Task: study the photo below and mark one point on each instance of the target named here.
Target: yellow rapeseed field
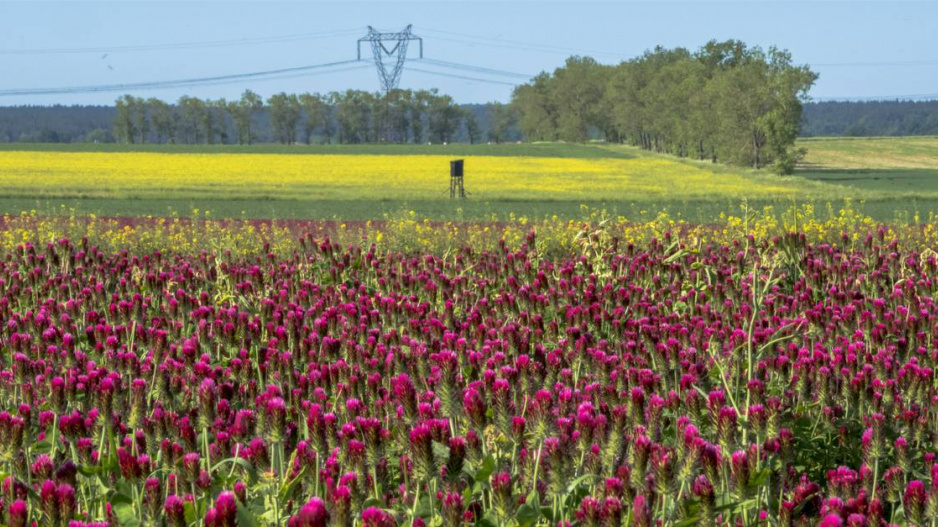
(338, 177)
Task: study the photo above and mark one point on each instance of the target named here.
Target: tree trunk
(756, 150)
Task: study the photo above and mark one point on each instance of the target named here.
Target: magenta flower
(18, 514)
(153, 496)
(452, 509)
(175, 512)
(915, 501)
(191, 463)
(275, 419)
(48, 495)
(421, 449)
(312, 514)
(43, 467)
(739, 468)
(224, 513)
(474, 406)
(375, 517)
(590, 512)
(208, 392)
(831, 520)
(67, 502)
(641, 512)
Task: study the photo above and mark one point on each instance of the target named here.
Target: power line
(500, 46)
(262, 79)
(463, 77)
(516, 44)
(476, 69)
(531, 46)
(218, 79)
(180, 45)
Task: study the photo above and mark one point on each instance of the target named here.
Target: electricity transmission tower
(389, 51)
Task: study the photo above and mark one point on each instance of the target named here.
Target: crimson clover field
(775, 367)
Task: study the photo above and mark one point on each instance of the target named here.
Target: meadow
(902, 165)
(371, 182)
(891, 179)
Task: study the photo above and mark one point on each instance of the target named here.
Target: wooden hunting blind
(456, 187)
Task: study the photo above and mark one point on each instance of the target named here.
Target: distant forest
(349, 117)
(875, 118)
(71, 124)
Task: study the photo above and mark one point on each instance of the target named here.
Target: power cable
(476, 69)
(180, 45)
(530, 46)
(516, 44)
(218, 79)
(463, 77)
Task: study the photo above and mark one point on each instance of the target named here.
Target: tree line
(88, 124)
(349, 117)
(725, 102)
(873, 118)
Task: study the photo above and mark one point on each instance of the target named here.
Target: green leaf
(85, 470)
(472, 490)
(246, 517)
(189, 511)
(485, 471)
(760, 478)
(527, 515)
(674, 256)
(125, 514)
(488, 520)
(42, 447)
(533, 498)
(123, 488)
(687, 522)
(287, 490)
(241, 462)
(120, 498)
(576, 483)
(100, 486)
(440, 450)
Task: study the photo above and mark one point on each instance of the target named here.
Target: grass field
(891, 165)
(890, 176)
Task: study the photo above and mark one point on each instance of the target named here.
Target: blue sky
(860, 49)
